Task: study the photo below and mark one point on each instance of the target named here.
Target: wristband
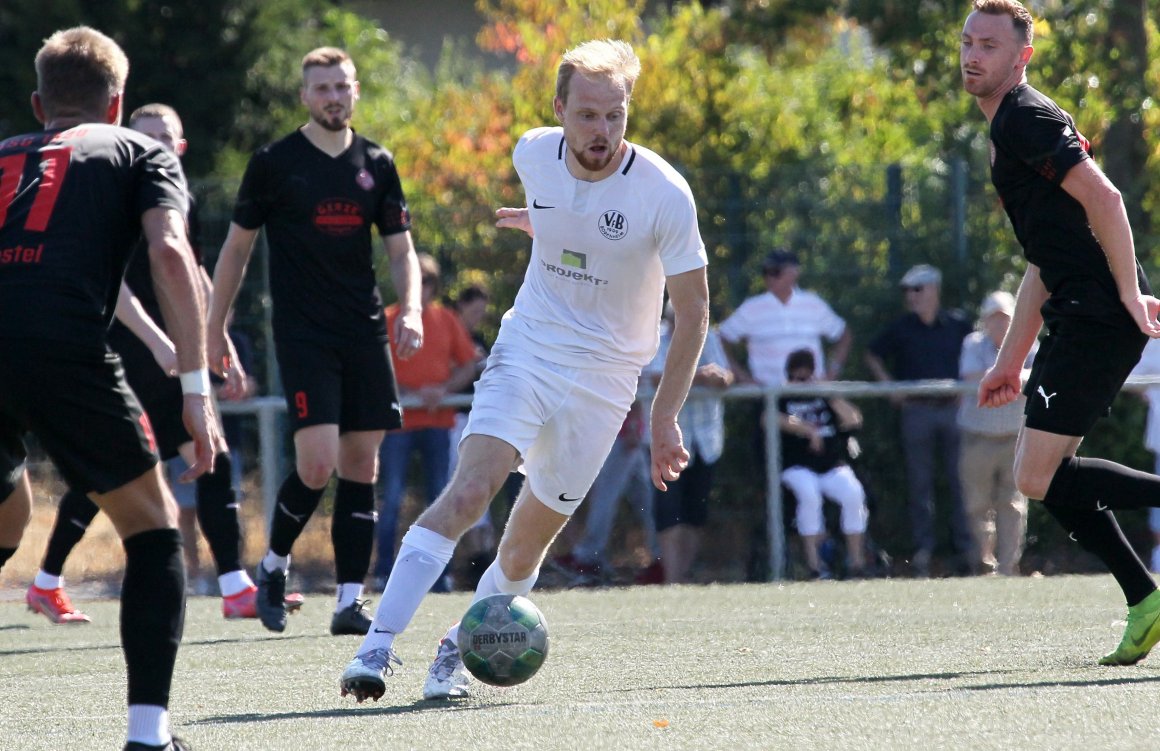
(195, 382)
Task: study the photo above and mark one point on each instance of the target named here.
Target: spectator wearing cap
(925, 343)
(781, 320)
(996, 511)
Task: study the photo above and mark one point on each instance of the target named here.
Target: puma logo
(1046, 397)
(296, 517)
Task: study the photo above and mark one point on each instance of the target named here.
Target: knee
(315, 473)
(467, 499)
(1031, 483)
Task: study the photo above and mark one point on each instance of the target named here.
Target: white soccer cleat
(364, 675)
(447, 677)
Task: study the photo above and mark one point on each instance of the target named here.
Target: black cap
(779, 259)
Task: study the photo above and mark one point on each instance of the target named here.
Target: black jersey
(795, 449)
(318, 211)
(70, 211)
(1034, 143)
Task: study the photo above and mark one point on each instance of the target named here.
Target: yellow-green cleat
(1141, 634)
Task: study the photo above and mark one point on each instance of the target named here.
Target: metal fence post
(773, 505)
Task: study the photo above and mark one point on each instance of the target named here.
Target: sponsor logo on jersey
(21, 254)
(612, 225)
(365, 180)
(570, 271)
(338, 216)
(574, 259)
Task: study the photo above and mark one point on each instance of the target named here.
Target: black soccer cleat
(351, 620)
(271, 598)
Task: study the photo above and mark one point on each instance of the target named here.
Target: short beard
(330, 124)
(590, 165)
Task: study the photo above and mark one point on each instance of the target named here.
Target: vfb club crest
(613, 225)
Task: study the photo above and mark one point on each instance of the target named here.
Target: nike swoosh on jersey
(566, 499)
(536, 205)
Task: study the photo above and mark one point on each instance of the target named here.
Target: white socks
(346, 594)
(274, 562)
(149, 724)
(233, 582)
(423, 555)
(48, 581)
(493, 582)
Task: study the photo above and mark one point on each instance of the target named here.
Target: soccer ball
(503, 639)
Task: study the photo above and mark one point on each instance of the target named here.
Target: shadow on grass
(351, 711)
(854, 680)
(117, 645)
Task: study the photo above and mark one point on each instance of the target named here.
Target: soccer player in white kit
(613, 226)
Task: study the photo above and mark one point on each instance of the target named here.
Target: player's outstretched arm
(689, 295)
(176, 281)
(507, 218)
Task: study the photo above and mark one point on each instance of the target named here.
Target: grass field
(886, 664)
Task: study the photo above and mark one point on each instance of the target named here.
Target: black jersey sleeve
(163, 184)
(1045, 139)
(392, 215)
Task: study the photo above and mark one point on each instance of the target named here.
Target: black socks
(152, 613)
(296, 503)
(353, 530)
(217, 513)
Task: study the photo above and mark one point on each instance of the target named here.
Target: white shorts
(562, 420)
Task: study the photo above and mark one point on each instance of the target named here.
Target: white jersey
(773, 329)
(592, 293)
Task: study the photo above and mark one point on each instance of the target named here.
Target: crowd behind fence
(273, 458)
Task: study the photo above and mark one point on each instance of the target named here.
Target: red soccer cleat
(244, 604)
(54, 604)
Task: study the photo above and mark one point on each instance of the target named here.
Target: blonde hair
(78, 71)
(609, 58)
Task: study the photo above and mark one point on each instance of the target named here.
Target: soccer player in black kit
(317, 192)
(1083, 282)
(161, 398)
(73, 200)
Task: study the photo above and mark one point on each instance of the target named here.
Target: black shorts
(687, 499)
(160, 394)
(79, 406)
(352, 386)
(1080, 367)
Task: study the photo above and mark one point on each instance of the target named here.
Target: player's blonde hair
(609, 58)
(78, 71)
(158, 110)
(1021, 19)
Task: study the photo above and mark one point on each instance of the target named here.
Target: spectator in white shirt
(783, 319)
